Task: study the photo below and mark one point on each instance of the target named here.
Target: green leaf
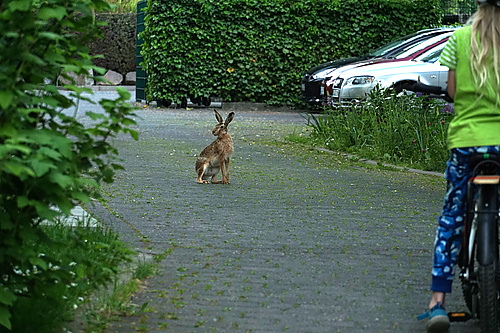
(96, 116)
(49, 35)
(133, 134)
(46, 13)
(81, 197)
(8, 149)
(38, 262)
(18, 169)
(6, 296)
(23, 201)
(20, 5)
(51, 153)
(61, 179)
(6, 97)
(40, 167)
(124, 93)
(128, 122)
(5, 316)
(5, 222)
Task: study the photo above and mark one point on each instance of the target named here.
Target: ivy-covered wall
(257, 50)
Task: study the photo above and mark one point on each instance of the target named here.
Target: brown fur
(216, 156)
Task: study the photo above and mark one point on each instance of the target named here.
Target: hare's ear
(229, 119)
(218, 117)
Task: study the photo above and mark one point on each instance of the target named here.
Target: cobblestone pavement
(298, 242)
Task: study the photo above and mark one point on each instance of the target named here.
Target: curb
(110, 88)
(372, 162)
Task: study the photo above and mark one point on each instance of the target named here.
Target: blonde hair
(485, 46)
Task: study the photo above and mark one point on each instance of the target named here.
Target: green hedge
(117, 45)
(249, 50)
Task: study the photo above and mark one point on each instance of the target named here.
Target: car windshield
(411, 49)
(392, 45)
(431, 55)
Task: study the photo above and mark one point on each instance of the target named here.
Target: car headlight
(360, 80)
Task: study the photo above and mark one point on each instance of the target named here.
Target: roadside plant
(123, 6)
(400, 129)
(49, 160)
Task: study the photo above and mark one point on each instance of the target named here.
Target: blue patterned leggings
(449, 234)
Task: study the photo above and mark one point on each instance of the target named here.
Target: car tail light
(326, 87)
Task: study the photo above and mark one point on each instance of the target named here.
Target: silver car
(356, 83)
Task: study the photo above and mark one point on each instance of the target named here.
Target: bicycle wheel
(487, 258)
(488, 298)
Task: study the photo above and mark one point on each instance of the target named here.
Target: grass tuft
(401, 130)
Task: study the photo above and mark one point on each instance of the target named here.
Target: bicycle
(478, 259)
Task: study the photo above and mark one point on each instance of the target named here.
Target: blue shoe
(438, 319)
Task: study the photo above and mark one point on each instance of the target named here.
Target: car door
(434, 73)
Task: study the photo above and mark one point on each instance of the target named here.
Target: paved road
(298, 242)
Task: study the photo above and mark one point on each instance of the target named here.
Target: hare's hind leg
(214, 180)
(201, 171)
(225, 171)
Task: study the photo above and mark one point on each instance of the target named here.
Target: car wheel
(184, 103)
(195, 100)
(206, 101)
(165, 103)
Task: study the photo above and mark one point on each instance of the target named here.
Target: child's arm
(452, 83)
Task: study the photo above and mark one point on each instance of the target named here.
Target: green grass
(401, 130)
(81, 259)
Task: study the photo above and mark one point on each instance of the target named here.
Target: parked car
(312, 80)
(356, 83)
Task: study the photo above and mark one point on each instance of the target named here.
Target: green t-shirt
(477, 113)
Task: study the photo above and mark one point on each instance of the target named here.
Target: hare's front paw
(202, 181)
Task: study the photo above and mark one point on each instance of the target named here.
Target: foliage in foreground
(48, 159)
(403, 130)
(79, 260)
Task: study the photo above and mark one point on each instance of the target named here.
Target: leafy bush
(405, 130)
(48, 159)
(84, 257)
(117, 46)
(123, 6)
(258, 51)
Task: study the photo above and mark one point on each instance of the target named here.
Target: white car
(356, 83)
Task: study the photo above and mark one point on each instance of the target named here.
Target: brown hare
(216, 156)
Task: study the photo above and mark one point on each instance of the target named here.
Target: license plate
(336, 93)
(322, 91)
(303, 86)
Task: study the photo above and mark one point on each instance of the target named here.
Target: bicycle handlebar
(434, 91)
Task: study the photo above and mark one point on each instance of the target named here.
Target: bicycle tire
(488, 298)
(487, 258)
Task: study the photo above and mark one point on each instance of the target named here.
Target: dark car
(312, 80)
